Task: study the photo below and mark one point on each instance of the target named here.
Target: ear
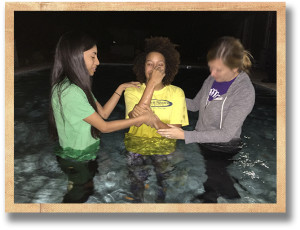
(236, 70)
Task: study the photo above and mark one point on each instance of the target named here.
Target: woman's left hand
(172, 133)
(126, 85)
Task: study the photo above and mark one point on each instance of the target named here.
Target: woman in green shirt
(76, 117)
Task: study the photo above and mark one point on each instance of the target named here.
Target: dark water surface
(38, 178)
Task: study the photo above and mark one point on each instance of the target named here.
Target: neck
(234, 76)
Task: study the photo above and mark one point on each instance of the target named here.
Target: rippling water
(38, 178)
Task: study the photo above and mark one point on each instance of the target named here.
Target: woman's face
(91, 60)
(153, 60)
(220, 72)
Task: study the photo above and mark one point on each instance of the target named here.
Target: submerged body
(224, 101)
(76, 119)
(169, 105)
(156, 69)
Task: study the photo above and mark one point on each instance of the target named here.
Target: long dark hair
(69, 63)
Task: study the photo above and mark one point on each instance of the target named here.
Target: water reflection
(39, 179)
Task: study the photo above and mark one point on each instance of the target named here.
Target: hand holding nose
(157, 75)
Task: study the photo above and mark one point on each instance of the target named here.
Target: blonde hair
(231, 51)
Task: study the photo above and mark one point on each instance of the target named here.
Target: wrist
(142, 118)
(120, 90)
(156, 124)
(151, 83)
(182, 135)
(118, 94)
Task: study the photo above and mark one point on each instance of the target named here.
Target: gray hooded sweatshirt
(221, 119)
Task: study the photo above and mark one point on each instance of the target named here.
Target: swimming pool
(38, 178)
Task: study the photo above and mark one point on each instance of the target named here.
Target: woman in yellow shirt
(155, 69)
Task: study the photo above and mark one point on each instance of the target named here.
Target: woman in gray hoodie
(224, 101)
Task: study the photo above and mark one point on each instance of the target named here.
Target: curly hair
(163, 46)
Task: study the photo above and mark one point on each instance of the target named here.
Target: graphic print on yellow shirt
(169, 105)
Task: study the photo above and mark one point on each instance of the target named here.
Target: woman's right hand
(137, 111)
(126, 85)
(150, 118)
(157, 75)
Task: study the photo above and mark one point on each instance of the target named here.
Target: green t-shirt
(75, 139)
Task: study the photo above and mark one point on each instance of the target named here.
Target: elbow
(104, 115)
(227, 137)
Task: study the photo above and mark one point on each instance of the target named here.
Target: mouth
(92, 72)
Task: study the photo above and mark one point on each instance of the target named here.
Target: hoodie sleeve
(242, 105)
(194, 104)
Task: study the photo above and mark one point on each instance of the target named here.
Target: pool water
(39, 179)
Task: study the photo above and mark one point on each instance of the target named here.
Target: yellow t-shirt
(169, 105)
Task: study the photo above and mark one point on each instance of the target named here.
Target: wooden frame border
(278, 207)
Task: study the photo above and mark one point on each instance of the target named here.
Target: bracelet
(117, 93)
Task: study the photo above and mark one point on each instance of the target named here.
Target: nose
(158, 67)
(152, 67)
(97, 61)
(213, 73)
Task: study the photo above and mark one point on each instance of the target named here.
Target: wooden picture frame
(278, 207)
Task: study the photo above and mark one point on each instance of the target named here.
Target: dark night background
(121, 36)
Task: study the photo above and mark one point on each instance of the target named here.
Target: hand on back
(134, 84)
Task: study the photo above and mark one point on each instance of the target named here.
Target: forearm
(111, 103)
(145, 101)
(207, 136)
(160, 125)
(191, 105)
(112, 126)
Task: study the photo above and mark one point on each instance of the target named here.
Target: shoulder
(75, 89)
(134, 90)
(243, 87)
(72, 92)
(209, 80)
(245, 82)
(175, 90)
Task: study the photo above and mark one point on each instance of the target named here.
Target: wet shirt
(218, 89)
(75, 139)
(169, 105)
